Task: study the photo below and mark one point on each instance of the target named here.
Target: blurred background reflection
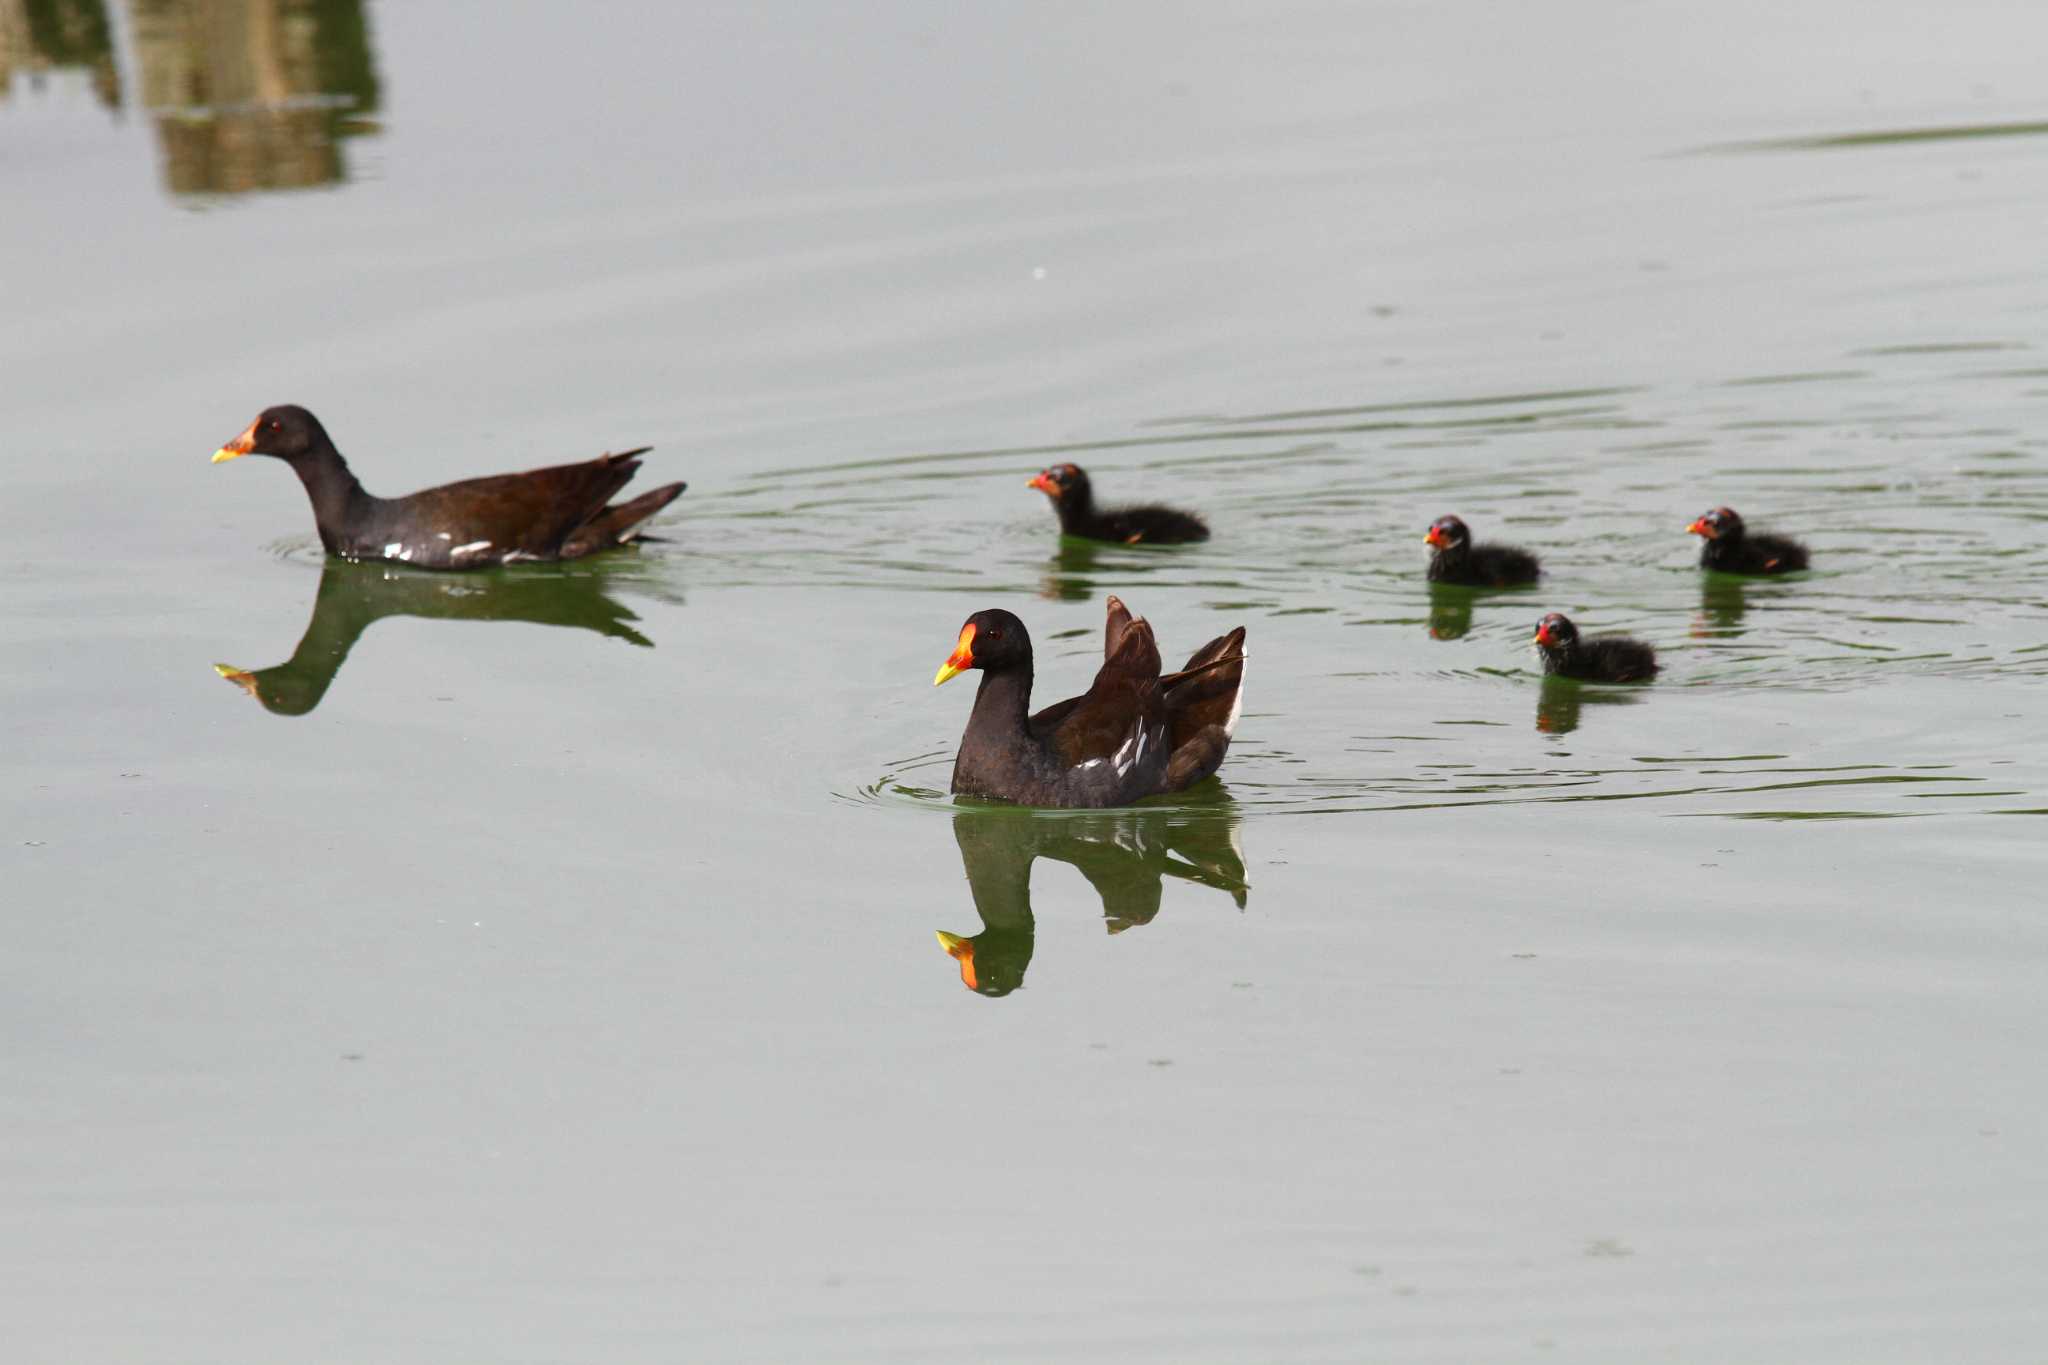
(245, 95)
(40, 36)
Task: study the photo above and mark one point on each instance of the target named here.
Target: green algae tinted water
(585, 963)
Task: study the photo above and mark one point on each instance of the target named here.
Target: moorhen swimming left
(560, 512)
(1730, 548)
(1455, 559)
(1604, 658)
(1073, 497)
(1133, 734)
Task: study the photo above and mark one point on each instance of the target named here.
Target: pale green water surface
(540, 966)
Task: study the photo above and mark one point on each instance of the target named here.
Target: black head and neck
(1449, 542)
(1067, 485)
(294, 435)
(1557, 641)
(997, 643)
(1722, 531)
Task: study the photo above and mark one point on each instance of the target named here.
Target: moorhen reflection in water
(1079, 569)
(1071, 573)
(1724, 601)
(1559, 700)
(1122, 853)
(1450, 610)
(352, 597)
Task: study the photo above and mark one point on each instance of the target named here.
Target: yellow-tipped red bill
(962, 657)
(238, 447)
(962, 950)
(240, 677)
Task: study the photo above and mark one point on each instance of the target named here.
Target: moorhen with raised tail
(1455, 559)
(1133, 734)
(1730, 548)
(1604, 658)
(1073, 497)
(560, 512)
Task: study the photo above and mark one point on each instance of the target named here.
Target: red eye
(273, 424)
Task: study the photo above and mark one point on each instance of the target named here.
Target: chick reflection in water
(354, 596)
(1076, 566)
(1450, 610)
(1123, 853)
(1557, 705)
(1724, 601)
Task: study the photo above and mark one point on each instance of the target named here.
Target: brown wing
(1125, 690)
(1117, 627)
(1127, 644)
(533, 512)
(1119, 621)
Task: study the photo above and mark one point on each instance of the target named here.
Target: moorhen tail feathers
(559, 512)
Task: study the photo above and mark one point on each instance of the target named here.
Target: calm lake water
(541, 966)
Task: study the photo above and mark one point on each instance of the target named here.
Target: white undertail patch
(1236, 704)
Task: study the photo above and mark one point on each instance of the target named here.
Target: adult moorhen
(1604, 658)
(1133, 734)
(1074, 499)
(555, 513)
(1455, 559)
(1729, 547)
